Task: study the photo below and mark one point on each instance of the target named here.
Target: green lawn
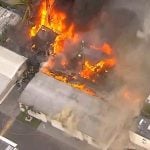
(34, 123)
(12, 2)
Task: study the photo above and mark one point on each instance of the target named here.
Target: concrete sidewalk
(61, 136)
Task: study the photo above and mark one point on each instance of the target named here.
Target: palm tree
(27, 13)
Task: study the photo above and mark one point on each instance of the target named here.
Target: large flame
(66, 80)
(55, 20)
(90, 70)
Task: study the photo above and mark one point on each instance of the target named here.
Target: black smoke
(80, 12)
(89, 15)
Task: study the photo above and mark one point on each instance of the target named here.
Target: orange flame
(51, 18)
(55, 20)
(90, 70)
(62, 78)
(106, 48)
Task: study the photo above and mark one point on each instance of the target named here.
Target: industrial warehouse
(74, 75)
(12, 67)
(66, 108)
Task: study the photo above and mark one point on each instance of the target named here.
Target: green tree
(26, 3)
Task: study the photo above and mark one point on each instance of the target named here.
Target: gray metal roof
(10, 62)
(51, 97)
(143, 127)
(5, 146)
(7, 18)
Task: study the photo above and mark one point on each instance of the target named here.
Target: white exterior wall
(77, 134)
(39, 115)
(58, 125)
(139, 140)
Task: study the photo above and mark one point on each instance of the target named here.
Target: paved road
(28, 138)
(3, 120)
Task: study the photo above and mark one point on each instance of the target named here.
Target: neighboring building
(12, 67)
(147, 101)
(6, 144)
(7, 18)
(69, 109)
(141, 135)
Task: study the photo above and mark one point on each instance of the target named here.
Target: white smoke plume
(132, 68)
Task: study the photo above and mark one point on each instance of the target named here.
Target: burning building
(59, 93)
(68, 109)
(72, 58)
(77, 55)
